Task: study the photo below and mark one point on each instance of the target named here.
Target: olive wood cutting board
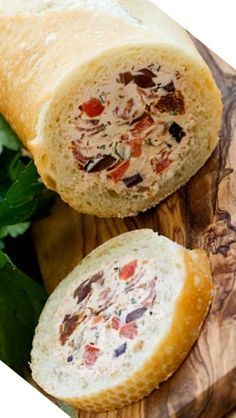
(201, 214)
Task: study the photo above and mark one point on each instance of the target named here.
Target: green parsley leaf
(21, 302)
(20, 201)
(8, 138)
(14, 230)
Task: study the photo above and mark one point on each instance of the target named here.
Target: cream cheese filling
(116, 316)
(129, 130)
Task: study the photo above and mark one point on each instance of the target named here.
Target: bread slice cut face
(121, 322)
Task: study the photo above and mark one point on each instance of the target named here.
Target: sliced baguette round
(121, 322)
(108, 144)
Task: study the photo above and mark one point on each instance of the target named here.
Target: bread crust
(41, 53)
(190, 311)
(31, 66)
(188, 318)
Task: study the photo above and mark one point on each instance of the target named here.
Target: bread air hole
(51, 183)
(45, 160)
(53, 168)
(113, 194)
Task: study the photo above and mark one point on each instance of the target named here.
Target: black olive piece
(176, 131)
(133, 180)
(136, 314)
(103, 163)
(144, 81)
(120, 350)
(147, 72)
(169, 87)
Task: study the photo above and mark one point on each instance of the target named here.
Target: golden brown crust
(31, 66)
(190, 312)
(40, 55)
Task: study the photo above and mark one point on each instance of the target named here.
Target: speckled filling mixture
(131, 128)
(114, 316)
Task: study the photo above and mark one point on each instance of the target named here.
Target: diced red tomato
(93, 107)
(91, 354)
(136, 147)
(115, 323)
(129, 330)
(160, 165)
(97, 319)
(127, 271)
(118, 171)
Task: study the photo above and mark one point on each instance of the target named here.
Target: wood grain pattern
(202, 214)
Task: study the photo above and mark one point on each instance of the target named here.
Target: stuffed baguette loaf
(122, 321)
(111, 97)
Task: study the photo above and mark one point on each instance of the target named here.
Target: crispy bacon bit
(115, 322)
(91, 354)
(68, 326)
(91, 131)
(172, 102)
(120, 350)
(118, 171)
(136, 147)
(93, 107)
(160, 165)
(81, 159)
(126, 78)
(144, 122)
(129, 330)
(177, 132)
(128, 108)
(100, 164)
(85, 288)
(133, 180)
(125, 113)
(128, 270)
(148, 302)
(162, 128)
(136, 314)
(169, 87)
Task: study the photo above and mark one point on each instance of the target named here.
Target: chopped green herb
(101, 97)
